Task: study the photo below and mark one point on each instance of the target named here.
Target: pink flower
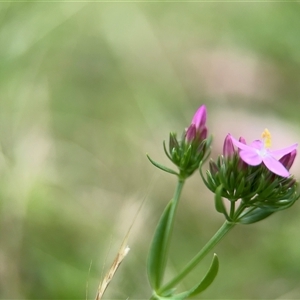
(258, 152)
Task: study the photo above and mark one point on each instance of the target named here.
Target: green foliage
(199, 288)
(158, 252)
(161, 167)
(205, 282)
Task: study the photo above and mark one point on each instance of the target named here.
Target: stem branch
(201, 254)
(175, 202)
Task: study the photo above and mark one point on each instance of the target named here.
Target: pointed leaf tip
(205, 282)
(161, 167)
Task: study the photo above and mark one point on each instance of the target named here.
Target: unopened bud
(228, 148)
(288, 159)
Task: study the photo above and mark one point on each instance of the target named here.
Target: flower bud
(194, 145)
(288, 159)
(190, 134)
(197, 131)
(228, 148)
(191, 150)
(199, 118)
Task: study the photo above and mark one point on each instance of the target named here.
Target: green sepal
(232, 181)
(173, 142)
(205, 282)
(166, 152)
(210, 182)
(255, 215)
(157, 255)
(185, 160)
(219, 204)
(240, 188)
(159, 166)
(223, 177)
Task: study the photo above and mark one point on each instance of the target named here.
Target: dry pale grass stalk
(124, 249)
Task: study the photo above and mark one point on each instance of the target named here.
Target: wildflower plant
(253, 179)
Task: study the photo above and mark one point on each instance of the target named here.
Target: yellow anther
(266, 135)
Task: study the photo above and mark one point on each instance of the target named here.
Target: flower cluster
(253, 175)
(192, 149)
(255, 179)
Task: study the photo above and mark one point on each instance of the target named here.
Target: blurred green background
(86, 90)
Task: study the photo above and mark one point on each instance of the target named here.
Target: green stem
(205, 250)
(176, 198)
(175, 202)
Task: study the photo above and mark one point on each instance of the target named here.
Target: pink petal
(257, 144)
(284, 151)
(199, 118)
(275, 166)
(251, 157)
(190, 133)
(239, 144)
(242, 140)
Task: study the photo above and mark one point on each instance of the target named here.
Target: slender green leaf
(255, 215)
(166, 152)
(162, 167)
(156, 259)
(205, 282)
(208, 278)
